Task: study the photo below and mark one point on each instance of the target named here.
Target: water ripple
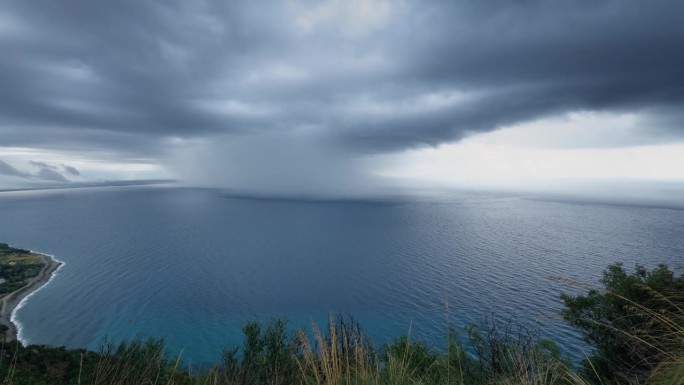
(194, 265)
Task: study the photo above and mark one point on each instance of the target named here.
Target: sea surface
(193, 265)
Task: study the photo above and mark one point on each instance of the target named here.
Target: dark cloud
(130, 77)
(7, 169)
(45, 172)
(71, 170)
(43, 165)
(50, 175)
(52, 172)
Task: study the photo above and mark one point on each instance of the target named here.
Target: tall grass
(663, 334)
(496, 352)
(136, 362)
(341, 354)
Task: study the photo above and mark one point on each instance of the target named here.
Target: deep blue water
(193, 265)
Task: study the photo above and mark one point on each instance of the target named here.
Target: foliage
(635, 323)
(415, 359)
(266, 357)
(505, 350)
(39, 364)
(6, 249)
(16, 267)
(136, 362)
(403, 361)
(342, 355)
(15, 275)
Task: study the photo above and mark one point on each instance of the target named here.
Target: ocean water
(193, 265)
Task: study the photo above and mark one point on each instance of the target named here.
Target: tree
(634, 323)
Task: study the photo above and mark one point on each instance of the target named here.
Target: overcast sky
(297, 96)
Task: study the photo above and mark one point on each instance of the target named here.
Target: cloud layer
(133, 79)
(42, 172)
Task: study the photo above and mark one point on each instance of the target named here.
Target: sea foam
(13, 317)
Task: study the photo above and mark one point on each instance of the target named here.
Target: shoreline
(10, 302)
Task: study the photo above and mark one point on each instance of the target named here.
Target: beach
(10, 302)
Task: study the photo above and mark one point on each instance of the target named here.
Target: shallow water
(192, 265)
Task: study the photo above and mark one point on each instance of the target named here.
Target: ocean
(193, 265)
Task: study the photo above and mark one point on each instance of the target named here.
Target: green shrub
(267, 357)
(634, 323)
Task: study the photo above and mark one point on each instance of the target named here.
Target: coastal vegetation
(634, 322)
(17, 266)
(21, 272)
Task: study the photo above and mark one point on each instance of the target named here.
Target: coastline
(10, 302)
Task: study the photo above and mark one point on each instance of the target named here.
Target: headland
(21, 273)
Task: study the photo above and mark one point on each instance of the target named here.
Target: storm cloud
(143, 79)
(41, 172)
(8, 169)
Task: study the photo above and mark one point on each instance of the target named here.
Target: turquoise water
(192, 265)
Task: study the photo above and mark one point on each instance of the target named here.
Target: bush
(635, 323)
(267, 356)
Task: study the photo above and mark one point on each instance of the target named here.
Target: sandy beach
(9, 302)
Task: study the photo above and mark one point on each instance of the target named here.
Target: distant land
(111, 183)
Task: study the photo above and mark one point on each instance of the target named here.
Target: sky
(341, 98)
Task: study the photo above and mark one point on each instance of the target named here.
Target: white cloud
(551, 149)
(584, 129)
